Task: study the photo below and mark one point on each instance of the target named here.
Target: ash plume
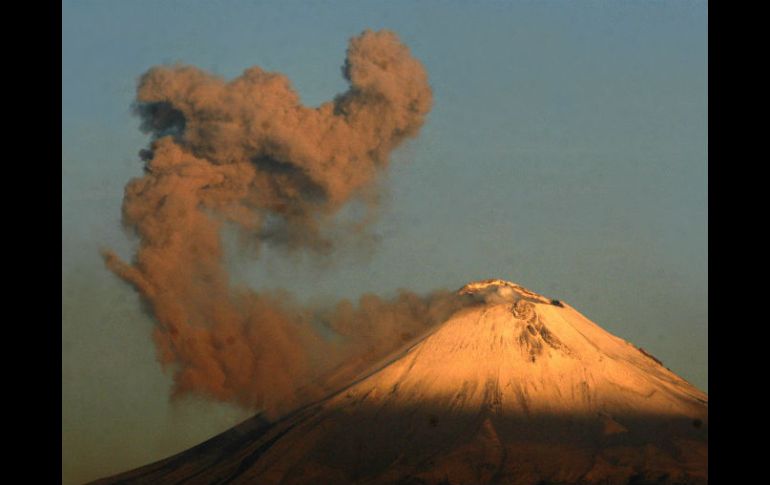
(247, 154)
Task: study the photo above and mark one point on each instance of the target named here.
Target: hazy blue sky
(566, 151)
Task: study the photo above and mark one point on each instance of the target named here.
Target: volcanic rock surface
(515, 388)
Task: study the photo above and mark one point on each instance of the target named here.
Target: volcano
(514, 388)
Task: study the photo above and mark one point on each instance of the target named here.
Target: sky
(566, 151)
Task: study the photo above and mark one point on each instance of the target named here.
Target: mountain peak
(495, 290)
(519, 390)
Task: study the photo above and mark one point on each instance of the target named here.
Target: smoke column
(246, 154)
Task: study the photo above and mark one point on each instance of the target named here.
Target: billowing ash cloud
(246, 153)
(259, 153)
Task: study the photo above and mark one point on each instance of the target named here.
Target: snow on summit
(497, 290)
(523, 354)
(514, 388)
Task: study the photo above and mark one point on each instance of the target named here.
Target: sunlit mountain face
(513, 388)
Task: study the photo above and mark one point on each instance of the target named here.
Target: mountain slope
(516, 388)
